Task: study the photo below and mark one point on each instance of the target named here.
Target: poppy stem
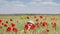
(3, 31)
(55, 28)
(33, 32)
(24, 31)
(15, 32)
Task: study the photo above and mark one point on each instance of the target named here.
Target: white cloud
(45, 7)
(12, 7)
(47, 0)
(35, 6)
(43, 2)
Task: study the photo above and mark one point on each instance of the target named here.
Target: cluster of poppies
(29, 26)
(28, 17)
(8, 28)
(43, 24)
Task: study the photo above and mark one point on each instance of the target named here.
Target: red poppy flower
(26, 26)
(7, 22)
(44, 24)
(32, 27)
(37, 19)
(11, 20)
(5, 25)
(8, 29)
(35, 16)
(0, 27)
(28, 17)
(0, 20)
(41, 16)
(12, 24)
(54, 25)
(14, 29)
(46, 31)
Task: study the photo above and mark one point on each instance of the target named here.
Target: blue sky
(29, 6)
(58, 1)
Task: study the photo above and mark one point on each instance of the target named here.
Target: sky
(29, 6)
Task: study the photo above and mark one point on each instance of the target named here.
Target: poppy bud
(37, 19)
(11, 20)
(2, 23)
(7, 22)
(28, 17)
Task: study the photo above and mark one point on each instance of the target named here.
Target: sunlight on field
(15, 24)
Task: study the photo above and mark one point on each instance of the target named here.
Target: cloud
(12, 7)
(44, 7)
(34, 6)
(43, 2)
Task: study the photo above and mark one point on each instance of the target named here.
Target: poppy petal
(12, 24)
(32, 27)
(26, 26)
(35, 16)
(0, 27)
(5, 25)
(54, 25)
(0, 20)
(44, 24)
(14, 29)
(41, 16)
(8, 29)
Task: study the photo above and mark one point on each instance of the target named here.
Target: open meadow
(43, 24)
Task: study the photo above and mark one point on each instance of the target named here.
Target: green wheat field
(21, 20)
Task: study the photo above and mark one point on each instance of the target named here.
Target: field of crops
(43, 24)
